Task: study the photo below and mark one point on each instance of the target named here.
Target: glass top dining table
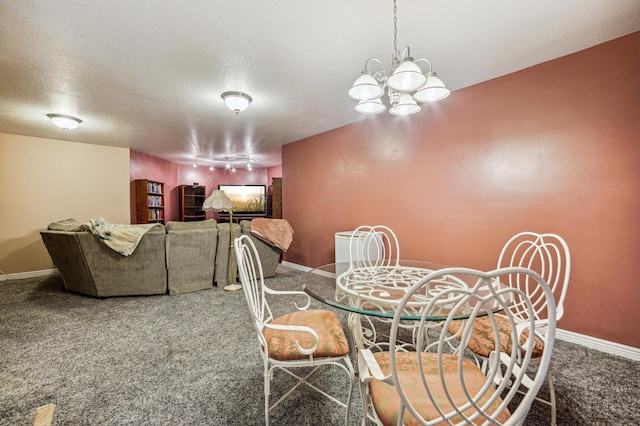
(376, 290)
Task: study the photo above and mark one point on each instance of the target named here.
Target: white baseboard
(31, 274)
(295, 266)
(599, 344)
(565, 335)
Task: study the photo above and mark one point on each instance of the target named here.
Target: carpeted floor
(193, 359)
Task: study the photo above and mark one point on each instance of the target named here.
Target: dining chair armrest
(291, 293)
(369, 369)
(511, 370)
(298, 328)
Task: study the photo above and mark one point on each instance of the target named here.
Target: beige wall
(45, 180)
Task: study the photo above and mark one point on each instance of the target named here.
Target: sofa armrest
(90, 267)
(269, 255)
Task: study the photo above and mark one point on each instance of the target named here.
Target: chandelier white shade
(371, 106)
(405, 83)
(406, 105)
(407, 77)
(433, 91)
(236, 101)
(365, 88)
(65, 122)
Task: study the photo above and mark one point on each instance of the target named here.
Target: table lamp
(218, 201)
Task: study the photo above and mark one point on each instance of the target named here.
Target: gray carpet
(193, 359)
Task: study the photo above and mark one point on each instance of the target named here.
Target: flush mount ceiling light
(236, 101)
(405, 83)
(65, 122)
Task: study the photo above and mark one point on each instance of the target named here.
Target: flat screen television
(250, 200)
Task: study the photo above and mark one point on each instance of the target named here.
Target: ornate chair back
(548, 255)
(436, 384)
(373, 247)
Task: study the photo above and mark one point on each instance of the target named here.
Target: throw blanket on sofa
(277, 232)
(121, 238)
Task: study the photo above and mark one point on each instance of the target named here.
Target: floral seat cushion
(483, 341)
(386, 400)
(332, 340)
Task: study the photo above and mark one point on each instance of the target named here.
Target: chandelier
(405, 83)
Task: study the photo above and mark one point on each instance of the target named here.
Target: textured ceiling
(148, 74)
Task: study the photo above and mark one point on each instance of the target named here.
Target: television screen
(247, 199)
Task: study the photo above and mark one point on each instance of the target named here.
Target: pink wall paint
(275, 171)
(552, 148)
(211, 179)
(144, 166)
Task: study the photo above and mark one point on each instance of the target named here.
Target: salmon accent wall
(552, 148)
(275, 171)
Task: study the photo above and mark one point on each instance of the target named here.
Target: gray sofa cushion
(191, 252)
(185, 226)
(222, 275)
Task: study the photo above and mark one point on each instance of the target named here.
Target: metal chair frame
(547, 254)
(480, 405)
(373, 247)
(252, 279)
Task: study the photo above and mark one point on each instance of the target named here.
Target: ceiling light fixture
(236, 101)
(405, 83)
(229, 162)
(65, 122)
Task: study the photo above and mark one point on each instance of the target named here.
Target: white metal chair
(548, 255)
(303, 338)
(374, 252)
(435, 385)
(373, 247)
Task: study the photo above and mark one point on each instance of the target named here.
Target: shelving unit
(149, 201)
(190, 202)
(274, 199)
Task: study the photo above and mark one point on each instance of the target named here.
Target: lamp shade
(218, 201)
(405, 106)
(407, 77)
(236, 101)
(366, 87)
(434, 90)
(371, 106)
(65, 122)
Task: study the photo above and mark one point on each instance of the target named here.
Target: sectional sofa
(177, 258)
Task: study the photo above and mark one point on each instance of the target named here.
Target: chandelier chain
(395, 33)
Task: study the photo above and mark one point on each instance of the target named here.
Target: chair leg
(267, 391)
(552, 397)
(365, 405)
(349, 398)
